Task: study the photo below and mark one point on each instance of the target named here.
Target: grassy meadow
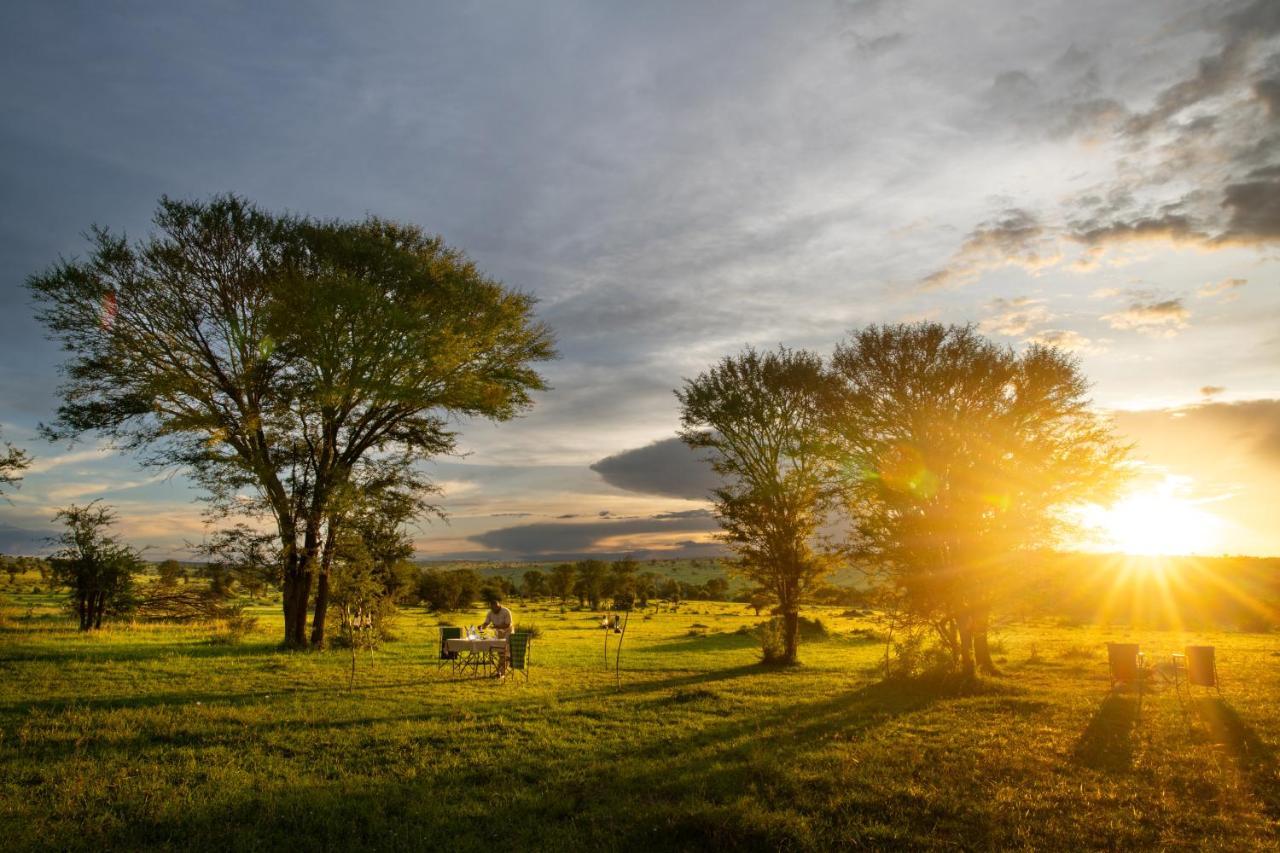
(156, 737)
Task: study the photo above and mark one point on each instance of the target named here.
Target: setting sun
(1157, 521)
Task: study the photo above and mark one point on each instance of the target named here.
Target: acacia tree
(270, 355)
(761, 415)
(962, 458)
(97, 567)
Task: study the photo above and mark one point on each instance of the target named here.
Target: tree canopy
(274, 355)
(960, 458)
(761, 415)
(97, 567)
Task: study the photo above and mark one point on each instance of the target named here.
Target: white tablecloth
(463, 645)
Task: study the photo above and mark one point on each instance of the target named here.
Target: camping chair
(518, 653)
(448, 633)
(1126, 664)
(1200, 668)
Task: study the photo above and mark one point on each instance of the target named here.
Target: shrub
(448, 591)
(812, 629)
(233, 628)
(773, 643)
(916, 655)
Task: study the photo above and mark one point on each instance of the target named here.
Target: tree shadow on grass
(1107, 742)
(119, 653)
(1256, 760)
(703, 643)
(728, 781)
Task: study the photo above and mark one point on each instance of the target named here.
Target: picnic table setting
(476, 652)
(473, 652)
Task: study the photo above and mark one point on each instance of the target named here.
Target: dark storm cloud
(667, 467)
(543, 538)
(22, 540)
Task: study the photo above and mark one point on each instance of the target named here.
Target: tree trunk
(102, 605)
(965, 626)
(322, 590)
(791, 635)
(297, 590)
(322, 606)
(981, 650)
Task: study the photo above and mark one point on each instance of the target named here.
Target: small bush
(532, 630)
(773, 644)
(916, 655)
(812, 629)
(234, 628)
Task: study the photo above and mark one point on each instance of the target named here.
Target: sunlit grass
(151, 737)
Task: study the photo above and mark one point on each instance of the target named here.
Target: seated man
(500, 618)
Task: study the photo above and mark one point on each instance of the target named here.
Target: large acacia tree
(760, 415)
(962, 458)
(273, 355)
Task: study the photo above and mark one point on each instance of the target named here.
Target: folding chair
(1126, 665)
(1200, 667)
(448, 633)
(518, 653)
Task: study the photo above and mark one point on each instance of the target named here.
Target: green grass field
(151, 737)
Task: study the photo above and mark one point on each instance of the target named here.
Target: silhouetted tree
(761, 415)
(270, 355)
(962, 455)
(12, 462)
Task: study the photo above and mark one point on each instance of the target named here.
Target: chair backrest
(449, 633)
(518, 645)
(1123, 660)
(1201, 669)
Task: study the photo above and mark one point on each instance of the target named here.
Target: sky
(675, 181)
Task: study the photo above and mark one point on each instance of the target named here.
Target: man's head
(495, 605)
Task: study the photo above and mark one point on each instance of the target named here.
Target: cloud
(1206, 433)
(1016, 238)
(1222, 288)
(554, 540)
(1015, 316)
(1171, 227)
(1159, 317)
(667, 467)
(1211, 390)
(1198, 166)
(48, 463)
(1255, 208)
(1215, 74)
(1064, 339)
